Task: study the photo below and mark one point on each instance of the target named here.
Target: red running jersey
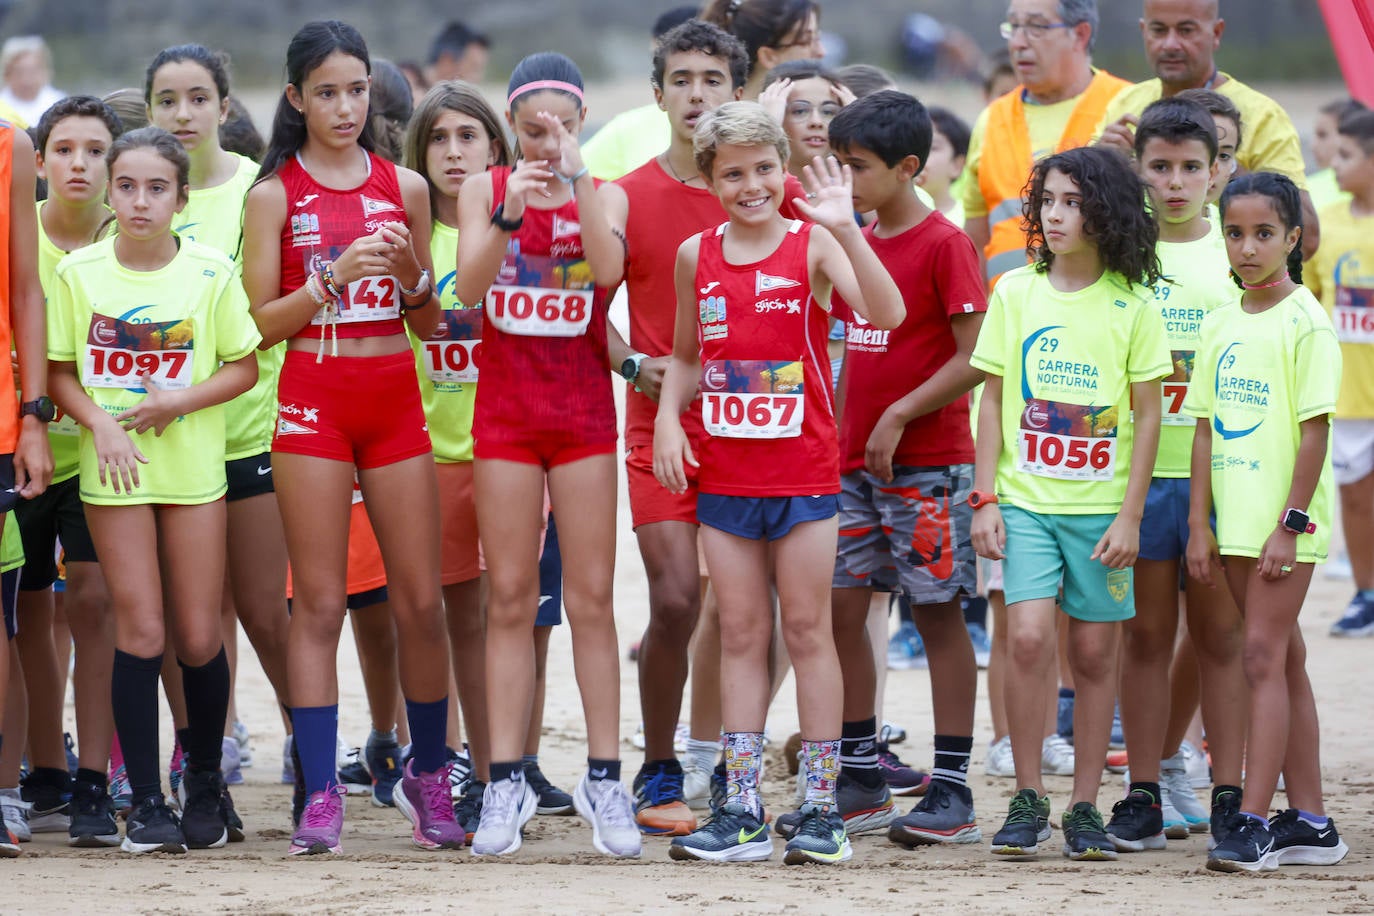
(765, 375)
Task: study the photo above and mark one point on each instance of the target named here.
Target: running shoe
(153, 827)
(121, 792)
(696, 786)
(734, 834)
(550, 798)
(720, 787)
(680, 736)
(1199, 765)
(288, 764)
(905, 650)
(229, 762)
(202, 818)
(232, 822)
(384, 761)
(1177, 791)
(1116, 739)
(889, 732)
(1224, 815)
(352, 774)
(93, 817)
(1056, 757)
(660, 807)
(9, 843)
(606, 805)
(863, 809)
(321, 823)
(820, 837)
(1063, 718)
(1118, 762)
(1026, 827)
(1248, 846)
(1137, 824)
(459, 772)
(15, 813)
(73, 762)
(176, 772)
(1085, 838)
(1358, 619)
(1297, 841)
(468, 810)
(982, 644)
(900, 778)
(944, 816)
(242, 738)
(999, 761)
(426, 800)
(1175, 824)
(507, 805)
(47, 793)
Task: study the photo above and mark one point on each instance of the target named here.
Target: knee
(1145, 643)
(805, 640)
(143, 635)
(673, 613)
(1030, 650)
(1260, 661)
(316, 619)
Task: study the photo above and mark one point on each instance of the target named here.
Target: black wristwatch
(498, 219)
(42, 407)
(629, 370)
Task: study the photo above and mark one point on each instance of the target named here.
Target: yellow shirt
(1046, 124)
(1269, 141)
(1324, 190)
(447, 361)
(627, 141)
(1341, 274)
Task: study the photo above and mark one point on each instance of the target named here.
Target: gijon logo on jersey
(790, 306)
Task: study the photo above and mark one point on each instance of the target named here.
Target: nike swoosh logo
(600, 774)
(263, 472)
(746, 836)
(543, 598)
(709, 286)
(1324, 834)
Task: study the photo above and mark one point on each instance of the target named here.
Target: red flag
(1351, 26)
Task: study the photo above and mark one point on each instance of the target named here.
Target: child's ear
(956, 166)
(910, 167)
(1294, 238)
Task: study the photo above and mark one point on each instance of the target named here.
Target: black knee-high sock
(133, 695)
(207, 706)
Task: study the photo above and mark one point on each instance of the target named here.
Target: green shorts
(1043, 550)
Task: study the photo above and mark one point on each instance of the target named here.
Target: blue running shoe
(905, 649)
(733, 835)
(1358, 619)
(660, 808)
(384, 762)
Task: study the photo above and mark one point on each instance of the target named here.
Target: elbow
(890, 317)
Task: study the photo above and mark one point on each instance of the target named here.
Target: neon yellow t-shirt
(1324, 190)
(1196, 280)
(64, 432)
(1256, 379)
(1046, 124)
(179, 323)
(1341, 275)
(1269, 141)
(11, 545)
(1068, 361)
(627, 141)
(446, 362)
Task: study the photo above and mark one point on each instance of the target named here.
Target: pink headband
(575, 91)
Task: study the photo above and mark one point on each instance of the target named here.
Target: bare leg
(1031, 641)
(669, 552)
(1093, 651)
(467, 646)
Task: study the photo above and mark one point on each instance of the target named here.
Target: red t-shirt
(663, 213)
(321, 222)
(767, 406)
(544, 364)
(936, 267)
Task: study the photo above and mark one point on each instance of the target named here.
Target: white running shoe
(507, 805)
(241, 736)
(1177, 791)
(999, 761)
(607, 805)
(1056, 757)
(1199, 770)
(16, 814)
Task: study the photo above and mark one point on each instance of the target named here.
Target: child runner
(804, 96)
(1175, 142)
(1070, 344)
(753, 310)
(948, 153)
(906, 455)
(151, 332)
(1266, 381)
(535, 245)
(187, 90)
(1343, 277)
(73, 139)
(1322, 183)
(336, 255)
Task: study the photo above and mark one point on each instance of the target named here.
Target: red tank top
(765, 374)
(321, 222)
(544, 362)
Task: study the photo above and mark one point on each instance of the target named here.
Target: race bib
(119, 354)
(452, 351)
(1067, 441)
(368, 299)
(1176, 390)
(753, 398)
(1353, 315)
(533, 311)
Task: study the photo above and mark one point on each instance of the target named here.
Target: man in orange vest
(1060, 100)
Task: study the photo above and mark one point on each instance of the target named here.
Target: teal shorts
(1043, 550)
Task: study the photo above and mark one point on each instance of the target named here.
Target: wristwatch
(41, 407)
(978, 499)
(498, 219)
(629, 370)
(1296, 521)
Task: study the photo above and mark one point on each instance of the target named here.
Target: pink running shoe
(321, 823)
(426, 800)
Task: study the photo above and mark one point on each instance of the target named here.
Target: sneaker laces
(437, 795)
(815, 823)
(937, 796)
(663, 785)
(502, 800)
(323, 808)
(1022, 810)
(1085, 819)
(613, 804)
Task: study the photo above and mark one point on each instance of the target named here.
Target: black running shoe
(153, 827)
(1297, 841)
(1225, 810)
(232, 822)
(1085, 839)
(468, 810)
(1249, 846)
(385, 764)
(1137, 824)
(93, 817)
(202, 818)
(552, 800)
(944, 815)
(1026, 827)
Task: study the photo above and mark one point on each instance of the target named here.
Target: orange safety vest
(1006, 163)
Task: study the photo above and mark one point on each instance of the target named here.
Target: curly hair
(1287, 202)
(1113, 206)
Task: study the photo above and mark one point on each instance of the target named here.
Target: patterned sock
(822, 762)
(743, 760)
(859, 751)
(952, 753)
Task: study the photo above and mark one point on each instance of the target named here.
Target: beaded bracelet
(331, 288)
(314, 289)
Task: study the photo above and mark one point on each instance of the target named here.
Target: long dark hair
(308, 49)
(214, 63)
(1113, 207)
(759, 23)
(1287, 201)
